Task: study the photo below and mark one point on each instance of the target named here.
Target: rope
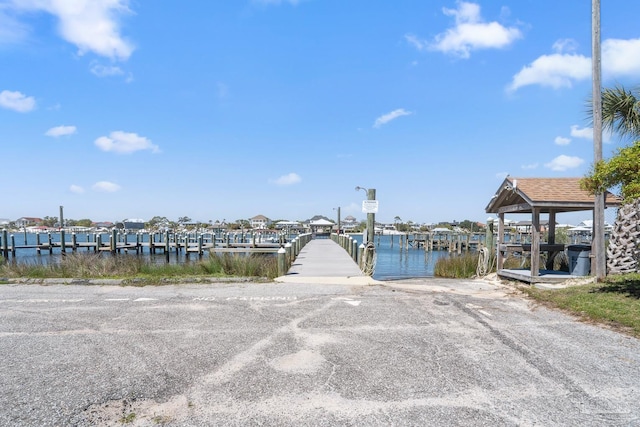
(369, 269)
(483, 262)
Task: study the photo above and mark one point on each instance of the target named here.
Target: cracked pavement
(410, 352)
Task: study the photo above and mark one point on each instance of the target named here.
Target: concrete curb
(348, 280)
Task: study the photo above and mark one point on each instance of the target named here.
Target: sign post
(370, 207)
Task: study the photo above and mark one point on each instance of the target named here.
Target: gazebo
(321, 227)
(537, 196)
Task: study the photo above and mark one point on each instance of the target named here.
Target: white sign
(370, 206)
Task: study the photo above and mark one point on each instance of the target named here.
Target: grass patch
(465, 266)
(142, 269)
(615, 302)
(457, 266)
(128, 419)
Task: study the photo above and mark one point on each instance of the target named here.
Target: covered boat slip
(536, 196)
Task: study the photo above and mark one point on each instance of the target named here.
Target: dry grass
(95, 266)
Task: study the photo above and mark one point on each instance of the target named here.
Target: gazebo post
(552, 227)
(499, 255)
(535, 242)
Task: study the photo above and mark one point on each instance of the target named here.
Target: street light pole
(371, 217)
(368, 243)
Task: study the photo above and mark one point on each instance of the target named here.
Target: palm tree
(621, 114)
(621, 111)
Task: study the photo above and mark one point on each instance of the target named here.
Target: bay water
(393, 261)
(401, 262)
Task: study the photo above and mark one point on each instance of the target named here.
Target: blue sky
(228, 109)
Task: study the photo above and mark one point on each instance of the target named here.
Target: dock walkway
(324, 261)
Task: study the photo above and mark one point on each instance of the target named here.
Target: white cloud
(469, 33)
(125, 142)
(416, 42)
(530, 166)
(621, 57)
(565, 46)
(91, 25)
(561, 140)
(76, 189)
(578, 132)
(562, 70)
(105, 187)
(289, 179)
(587, 133)
(556, 71)
(60, 131)
(16, 101)
(386, 118)
(106, 70)
(562, 163)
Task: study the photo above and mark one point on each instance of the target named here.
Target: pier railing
(288, 253)
(363, 255)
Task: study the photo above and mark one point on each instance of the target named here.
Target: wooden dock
(150, 243)
(452, 242)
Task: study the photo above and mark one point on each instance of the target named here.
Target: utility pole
(598, 205)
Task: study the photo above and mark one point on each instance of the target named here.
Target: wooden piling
(63, 243)
(166, 246)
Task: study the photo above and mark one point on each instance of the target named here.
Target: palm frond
(621, 111)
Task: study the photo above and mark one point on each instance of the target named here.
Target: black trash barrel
(579, 260)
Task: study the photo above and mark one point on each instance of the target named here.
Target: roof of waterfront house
(522, 195)
(29, 218)
(320, 222)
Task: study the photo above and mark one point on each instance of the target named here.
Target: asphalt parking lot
(413, 352)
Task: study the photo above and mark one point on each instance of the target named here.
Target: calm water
(392, 261)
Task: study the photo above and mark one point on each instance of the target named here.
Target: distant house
(27, 221)
(103, 224)
(348, 223)
(219, 226)
(4, 221)
(288, 225)
(133, 224)
(260, 222)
